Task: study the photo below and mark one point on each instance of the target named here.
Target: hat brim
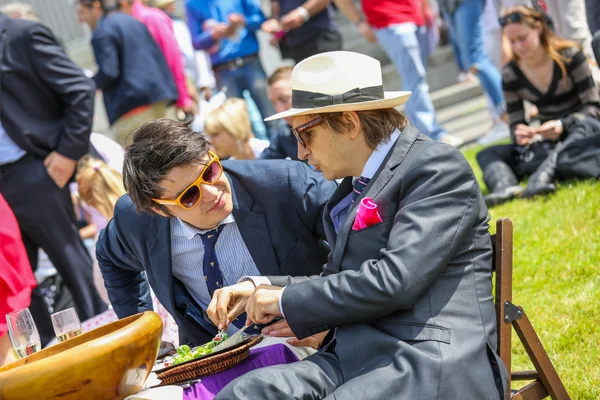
(390, 100)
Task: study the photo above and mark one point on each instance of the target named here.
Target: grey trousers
(316, 377)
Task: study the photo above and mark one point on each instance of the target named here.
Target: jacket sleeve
(201, 39)
(311, 192)
(107, 58)
(438, 205)
(587, 90)
(124, 276)
(72, 88)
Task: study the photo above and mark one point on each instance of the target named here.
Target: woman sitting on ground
(553, 74)
(229, 132)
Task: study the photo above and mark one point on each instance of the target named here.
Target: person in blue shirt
(227, 30)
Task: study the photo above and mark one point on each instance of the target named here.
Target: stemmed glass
(23, 333)
(66, 324)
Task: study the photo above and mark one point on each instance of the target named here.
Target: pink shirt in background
(161, 28)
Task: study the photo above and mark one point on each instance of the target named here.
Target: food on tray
(185, 353)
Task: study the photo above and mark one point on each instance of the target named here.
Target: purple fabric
(208, 388)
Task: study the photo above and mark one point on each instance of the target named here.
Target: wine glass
(23, 333)
(66, 324)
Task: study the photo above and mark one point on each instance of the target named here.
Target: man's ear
(352, 123)
(160, 212)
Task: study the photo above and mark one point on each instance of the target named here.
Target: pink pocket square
(366, 215)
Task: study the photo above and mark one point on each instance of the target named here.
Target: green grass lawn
(556, 278)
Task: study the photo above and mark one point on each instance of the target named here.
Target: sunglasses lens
(190, 197)
(212, 173)
(298, 138)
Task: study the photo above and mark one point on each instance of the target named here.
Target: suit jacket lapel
(161, 262)
(254, 230)
(377, 183)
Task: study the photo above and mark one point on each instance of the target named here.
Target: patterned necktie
(358, 186)
(213, 275)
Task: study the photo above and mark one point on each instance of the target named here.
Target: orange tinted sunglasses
(193, 193)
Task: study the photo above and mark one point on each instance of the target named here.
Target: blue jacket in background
(246, 44)
(132, 71)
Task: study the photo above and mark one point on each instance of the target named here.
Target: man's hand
(523, 134)
(263, 305)
(366, 31)
(550, 130)
(229, 302)
(60, 168)
(282, 329)
(220, 30)
(237, 20)
(292, 20)
(271, 26)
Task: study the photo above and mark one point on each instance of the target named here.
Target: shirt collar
(378, 156)
(190, 231)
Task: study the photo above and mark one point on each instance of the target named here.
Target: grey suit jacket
(411, 297)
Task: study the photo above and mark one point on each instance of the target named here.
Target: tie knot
(211, 236)
(358, 186)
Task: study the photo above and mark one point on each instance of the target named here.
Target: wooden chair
(546, 381)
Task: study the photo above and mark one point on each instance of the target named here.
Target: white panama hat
(339, 81)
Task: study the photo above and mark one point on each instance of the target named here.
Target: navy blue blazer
(278, 207)
(132, 71)
(46, 102)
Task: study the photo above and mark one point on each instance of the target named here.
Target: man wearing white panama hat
(407, 301)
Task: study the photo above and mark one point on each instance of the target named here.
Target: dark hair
(159, 146)
(106, 5)
(377, 125)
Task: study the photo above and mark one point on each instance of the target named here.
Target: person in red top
(16, 278)
(161, 28)
(399, 27)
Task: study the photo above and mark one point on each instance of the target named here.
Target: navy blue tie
(358, 186)
(213, 275)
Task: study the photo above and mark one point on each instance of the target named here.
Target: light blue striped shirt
(187, 253)
(9, 150)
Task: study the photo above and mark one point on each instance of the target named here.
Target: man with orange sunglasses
(192, 224)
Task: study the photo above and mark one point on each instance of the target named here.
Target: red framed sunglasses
(299, 131)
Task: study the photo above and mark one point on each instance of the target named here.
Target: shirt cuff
(257, 280)
(280, 300)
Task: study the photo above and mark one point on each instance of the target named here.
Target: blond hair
(232, 117)
(552, 44)
(100, 186)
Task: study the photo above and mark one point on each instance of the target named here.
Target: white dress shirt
(9, 150)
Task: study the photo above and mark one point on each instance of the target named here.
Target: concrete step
(461, 109)
(470, 127)
(455, 94)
